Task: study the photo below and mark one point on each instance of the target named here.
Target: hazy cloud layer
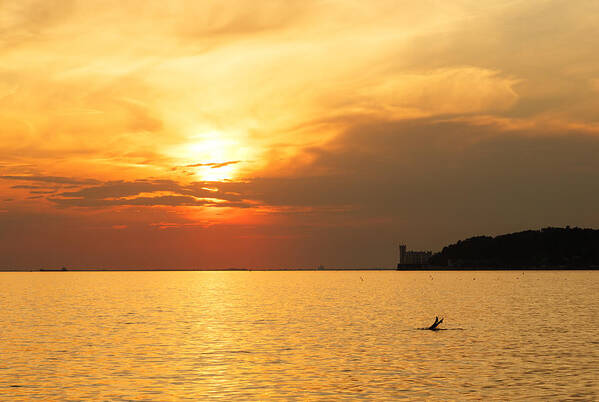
(430, 167)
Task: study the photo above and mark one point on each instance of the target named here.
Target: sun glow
(212, 156)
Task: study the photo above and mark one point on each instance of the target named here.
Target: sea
(299, 335)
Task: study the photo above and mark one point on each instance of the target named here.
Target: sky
(281, 134)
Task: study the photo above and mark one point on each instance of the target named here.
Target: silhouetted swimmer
(436, 324)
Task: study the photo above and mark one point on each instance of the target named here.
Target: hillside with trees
(546, 248)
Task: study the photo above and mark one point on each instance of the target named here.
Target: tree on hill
(548, 247)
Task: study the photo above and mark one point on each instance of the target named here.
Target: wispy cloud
(52, 179)
(213, 165)
(149, 193)
(165, 200)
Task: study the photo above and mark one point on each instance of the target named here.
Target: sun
(216, 174)
(212, 156)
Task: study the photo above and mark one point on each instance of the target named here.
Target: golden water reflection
(311, 335)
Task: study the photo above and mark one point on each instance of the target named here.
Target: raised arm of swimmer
(436, 323)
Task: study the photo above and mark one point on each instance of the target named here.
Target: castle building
(409, 258)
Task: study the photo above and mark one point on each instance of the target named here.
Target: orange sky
(196, 133)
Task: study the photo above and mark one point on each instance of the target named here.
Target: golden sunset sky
(265, 133)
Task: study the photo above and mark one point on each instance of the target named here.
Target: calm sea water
(298, 335)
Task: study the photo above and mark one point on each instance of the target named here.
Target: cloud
(165, 200)
(25, 20)
(425, 121)
(166, 74)
(233, 18)
(52, 179)
(27, 187)
(419, 170)
(456, 90)
(213, 165)
(149, 193)
(42, 191)
(441, 178)
(546, 47)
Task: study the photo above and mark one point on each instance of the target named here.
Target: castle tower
(402, 253)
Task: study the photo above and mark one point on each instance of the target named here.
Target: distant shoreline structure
(394, 269)
(317, 269)
(413, 259)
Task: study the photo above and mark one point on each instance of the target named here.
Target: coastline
(405, 269)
